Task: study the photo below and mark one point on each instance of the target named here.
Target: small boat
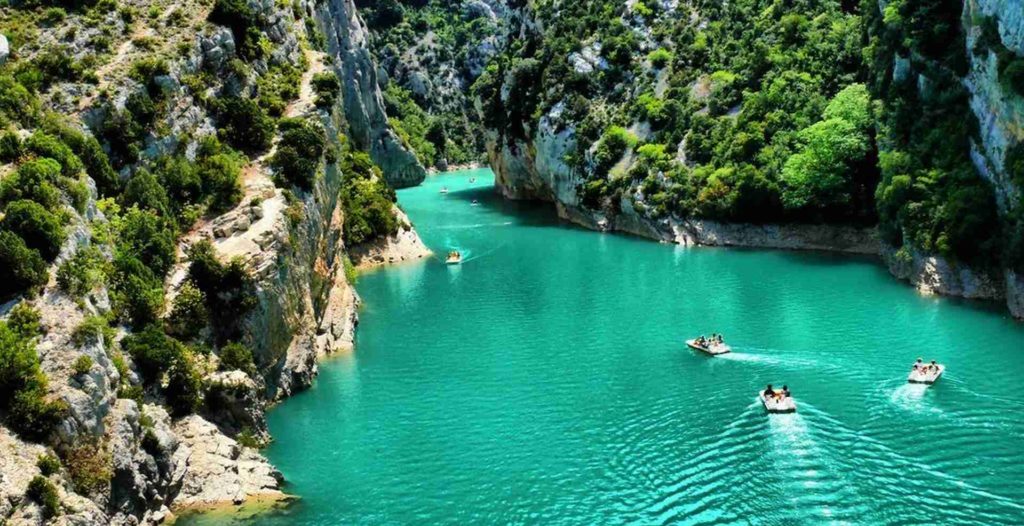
(926, 374)
(444, 189)
(475, 203)
(711, 348)
(472, 180)
(454, 258)
(778, 403)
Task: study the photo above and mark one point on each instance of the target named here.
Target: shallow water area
(546, 380)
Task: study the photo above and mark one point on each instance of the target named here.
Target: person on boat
(769, 391)
(720, 339)
(918, 365)
(785, 391)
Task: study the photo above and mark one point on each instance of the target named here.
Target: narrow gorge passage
(545, 380)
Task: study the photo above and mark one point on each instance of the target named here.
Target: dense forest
(764, 111)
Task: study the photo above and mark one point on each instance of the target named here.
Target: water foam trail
(838, 428)
(485, 254)
(472, 226)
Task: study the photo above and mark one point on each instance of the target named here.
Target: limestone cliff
(529, 156)
(143, 463)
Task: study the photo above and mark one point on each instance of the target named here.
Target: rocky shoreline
(927, 273)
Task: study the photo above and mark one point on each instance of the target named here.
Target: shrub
(39, 228)
(82, 365)
(660, 57)
(366, 200)
(44, 493)
(327, 88)
(90, 467)
(83, 272)
(613, 145)
(299, 151)
(138, 293)
(32, 416)
(48, 464)
(145, 192)
(24, 269)
(92, 330)
(188, 316)
(46, 145)
(229, 290)
(1013, 74)
(150, 238)
(184, 393)
(16, 102)
(154, 352)
(220, 175)
(236, 15)
(244, 124)
(10, 147)
(235, 356)
(34, 180)
(24, 321)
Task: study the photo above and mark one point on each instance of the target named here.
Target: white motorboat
(926, 374)
(777, 403)
(711, 348)
(444, 190)
(454, 258)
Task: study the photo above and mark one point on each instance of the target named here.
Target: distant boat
(926, 373)
(472, 180)
(777, 403)
(713, 349)
(475, 203)
(444, 189)
(454, 258)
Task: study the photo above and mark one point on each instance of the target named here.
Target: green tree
(40, 229)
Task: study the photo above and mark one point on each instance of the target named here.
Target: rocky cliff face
(148, 463)
(364, 105)
(532, 165)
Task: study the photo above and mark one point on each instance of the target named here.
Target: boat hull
(778, 405)
(713, 351)
(920, 377)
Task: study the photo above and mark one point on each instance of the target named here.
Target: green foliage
(82, 365)
(327, 88)
(89, 466)
(229, 290)
(613, 145)
(153, 352)
(244, 124)
(44, 493)
(299, 151)
(189, 315)
(93, 330)
(83, 272)
(10, 147)
(34, 180)
(366, 200)
(23, 387)
(660, 57)
(46, 145)
(24, 321)
(23, 268)
(40, 229)
(145, 192)
(279, 86)
(235, 356)
(236, 15)
(410, 122)
(48, 464)
(1013, 75)
(184, 392)
(17, 104)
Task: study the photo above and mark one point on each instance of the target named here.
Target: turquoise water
(545, 380)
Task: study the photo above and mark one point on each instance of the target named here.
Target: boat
(444, 189)
(454, 258)
(710, 348)
(777, 404)
(472, 180)
(475, 203)
(926, 374)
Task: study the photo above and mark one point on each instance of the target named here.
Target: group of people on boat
(770, 392)
(920, 366)
(715, 339)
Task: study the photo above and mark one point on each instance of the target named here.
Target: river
(545, 380)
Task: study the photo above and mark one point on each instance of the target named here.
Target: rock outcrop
(402, 247)
(364, 105)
